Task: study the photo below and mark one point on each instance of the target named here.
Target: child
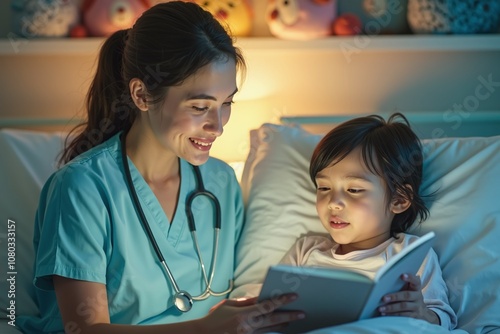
(367, 173)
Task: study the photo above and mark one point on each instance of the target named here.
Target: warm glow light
(238, 168)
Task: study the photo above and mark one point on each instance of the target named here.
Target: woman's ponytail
(109, 105)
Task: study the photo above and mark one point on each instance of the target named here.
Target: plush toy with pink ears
(301, 19)
(104, 17)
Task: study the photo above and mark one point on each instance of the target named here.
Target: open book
(332, 296)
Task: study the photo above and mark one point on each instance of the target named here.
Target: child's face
(352, 205)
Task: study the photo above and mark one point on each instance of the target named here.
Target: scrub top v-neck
(171, 230)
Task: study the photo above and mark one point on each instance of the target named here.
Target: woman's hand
(408, 302)
(84, 309)
(244, 316)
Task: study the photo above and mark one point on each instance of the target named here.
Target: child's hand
(408, 302)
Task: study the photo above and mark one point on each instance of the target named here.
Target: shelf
(50, 46)
(381, 43)
(424, 43)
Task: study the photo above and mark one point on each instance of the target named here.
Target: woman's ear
(138, 92)
(401, 202)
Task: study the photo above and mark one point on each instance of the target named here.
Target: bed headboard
(427, 125)
(47, 124)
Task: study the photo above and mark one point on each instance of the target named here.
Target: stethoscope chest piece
(183, 301)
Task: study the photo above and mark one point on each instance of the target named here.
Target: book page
(388, 279)
(408, 249)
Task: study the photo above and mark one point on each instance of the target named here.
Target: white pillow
(465, 213)
(28, 159)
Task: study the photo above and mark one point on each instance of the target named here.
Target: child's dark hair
(390, 150)
(168, 43)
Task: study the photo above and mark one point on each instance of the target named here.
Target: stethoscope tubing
(138, 208)
(182, 299)
(201, 192)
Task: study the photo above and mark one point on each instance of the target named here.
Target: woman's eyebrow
(208, 97)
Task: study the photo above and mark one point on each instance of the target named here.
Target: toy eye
(231, 4)
(288, 11)
(121, 14)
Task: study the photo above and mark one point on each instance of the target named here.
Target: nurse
(161, 96)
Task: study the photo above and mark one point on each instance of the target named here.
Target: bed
(279, 200)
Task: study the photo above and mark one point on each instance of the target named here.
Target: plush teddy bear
(301, 19)
(44, 18)
(104, 17)
(237, 14)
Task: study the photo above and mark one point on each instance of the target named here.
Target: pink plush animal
(104, 17)
(301, 19)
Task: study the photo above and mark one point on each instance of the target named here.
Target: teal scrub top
(87, 228)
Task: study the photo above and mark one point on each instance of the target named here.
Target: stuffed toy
(347, 24)
(453, 16)
(236, 14)
(101, 18)
(44, 18)
(376, 16)
(301, 19)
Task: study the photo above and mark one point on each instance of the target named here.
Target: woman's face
(194, 113)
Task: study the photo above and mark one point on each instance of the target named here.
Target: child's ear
(138, 93)
(401, 202)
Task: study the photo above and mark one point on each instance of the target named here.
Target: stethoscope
(183, 301)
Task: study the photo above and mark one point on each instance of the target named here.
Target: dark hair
(169, 42)
(390, 150)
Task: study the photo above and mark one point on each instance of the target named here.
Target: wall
(4, 18)
(441, 74)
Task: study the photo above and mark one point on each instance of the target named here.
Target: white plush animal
(44, 18)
